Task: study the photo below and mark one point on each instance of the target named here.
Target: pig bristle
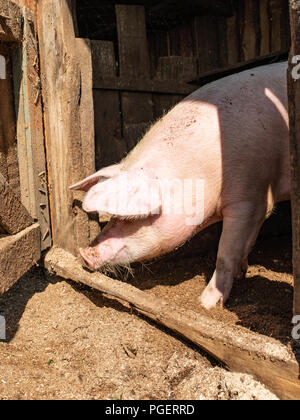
(118, 270)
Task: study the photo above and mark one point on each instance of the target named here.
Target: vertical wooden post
(294, 114)
(65, 62)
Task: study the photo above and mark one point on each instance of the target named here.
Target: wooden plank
(8, 145)
(13, 215)
(87, 225)
(30, 130)
(143, 85)
(294, 115)
(264, 27)
(223, 46)
(110, 146)
(10, 22)
(158, 47)
(18, 253)
(251, 30)
(134, 62)
(183, 69)
(237, 348)
(232, 40)
(61, 87)
(275, 10)
(132, 40)
(207, 42)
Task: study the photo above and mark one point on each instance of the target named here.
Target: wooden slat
(237, 348)
(109, 144)
(62, 87)
(143, 85)
(134, 62)
(13, 215)
(265, 27)
(30, 130)
(18, 253)
(8, 145)
(178, 68)
(207, 43)
(276, 12)
(87, 227)
(251, 31)
(232, 40)
(294, 114)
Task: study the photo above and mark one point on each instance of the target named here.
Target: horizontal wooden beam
(18, 253)
(170, 87)
(13, 215)
(237, 348)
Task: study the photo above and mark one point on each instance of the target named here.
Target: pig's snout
(104, 251)
(91, 258)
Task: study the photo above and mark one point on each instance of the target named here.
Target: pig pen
(85, 94)
(125, 88)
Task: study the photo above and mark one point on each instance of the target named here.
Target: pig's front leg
(241, 225)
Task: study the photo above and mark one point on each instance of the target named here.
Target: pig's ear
(90, 181)
(135, 193)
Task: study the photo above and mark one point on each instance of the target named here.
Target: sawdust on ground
(66, 341)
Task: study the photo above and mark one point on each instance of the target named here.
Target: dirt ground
(66, 341)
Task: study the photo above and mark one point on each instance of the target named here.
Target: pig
(233, 136)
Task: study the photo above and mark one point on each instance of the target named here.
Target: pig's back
(232, 132)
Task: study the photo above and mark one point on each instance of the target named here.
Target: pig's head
(138, 229)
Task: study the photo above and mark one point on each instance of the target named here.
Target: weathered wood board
(30, 130)
(18, 253)
(8, 145)
(237, 348)
(294, 114)
(134, 62)
(109, 144)
(13, 215)
(62, 85)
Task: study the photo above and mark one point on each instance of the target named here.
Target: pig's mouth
(108, 252)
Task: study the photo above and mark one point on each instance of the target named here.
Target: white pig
(233, 136)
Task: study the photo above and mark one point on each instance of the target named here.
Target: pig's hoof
(211, 297)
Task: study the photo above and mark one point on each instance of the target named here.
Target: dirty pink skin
(233, 134)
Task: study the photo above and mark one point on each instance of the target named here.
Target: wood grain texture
(62, 84)
(8, 145)
(134, 62)
(294, 115)
(13, 215)
(30, 130)
(237, 348)
(18, 253)
(109, 144)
